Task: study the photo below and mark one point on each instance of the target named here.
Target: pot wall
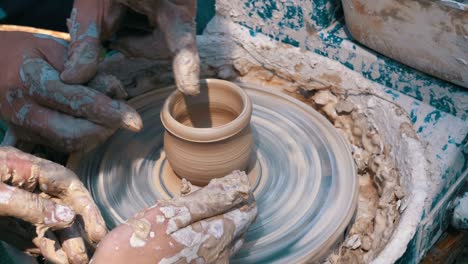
(201, 162)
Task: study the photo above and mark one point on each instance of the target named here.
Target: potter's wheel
(303, 175)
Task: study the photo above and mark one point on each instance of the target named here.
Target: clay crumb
(141, 230)
(353, 242)
(136, 242)
(160, 219)
(178, 216)
(366, 243)
(344, 107)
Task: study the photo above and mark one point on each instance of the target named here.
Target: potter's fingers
(177, 22)
(217, 197)
(84, 54)
(242, 218)
(214, 236)
(209, 238)
(109, 85)
(61, 182)
(42, 82)
(224, 233)
(50, 249)
(186, 67)
(236, 246)
(18, 168)
(33, 209)
(56, 180)
(151, 46)
(60, 131)
(90, 22)
(53, 49)
(73, 244)
(228, 252)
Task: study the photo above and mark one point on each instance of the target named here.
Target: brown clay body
(208, 135)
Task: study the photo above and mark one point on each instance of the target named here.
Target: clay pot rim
(207, 135)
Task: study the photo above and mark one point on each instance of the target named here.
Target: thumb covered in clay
(204, 226)
(90, 22)
(176, 20)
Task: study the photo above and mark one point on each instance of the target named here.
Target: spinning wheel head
(301, 169)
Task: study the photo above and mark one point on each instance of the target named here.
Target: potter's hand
(62, 197)
(205, 226)
(93, 21)
(39, 107)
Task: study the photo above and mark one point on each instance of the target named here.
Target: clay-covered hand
(50, 197)
(173, 22)
(39, 107)
(205, 226)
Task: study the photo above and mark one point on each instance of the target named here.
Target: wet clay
(208, 135)
(380, 193)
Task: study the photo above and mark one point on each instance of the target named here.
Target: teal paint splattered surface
(434, 106)
(335, 42)
(392, 74)
(325, 12)
(205, 12)
(263, 8)
(293, 12)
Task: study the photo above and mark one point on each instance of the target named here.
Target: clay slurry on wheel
(302, 171)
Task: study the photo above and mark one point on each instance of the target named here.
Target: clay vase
(208, 135)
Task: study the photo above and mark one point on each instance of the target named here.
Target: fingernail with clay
(95, 226)
(186, 66)
(82, 64)
(130, 118)
(188, 89)
(60, 215)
